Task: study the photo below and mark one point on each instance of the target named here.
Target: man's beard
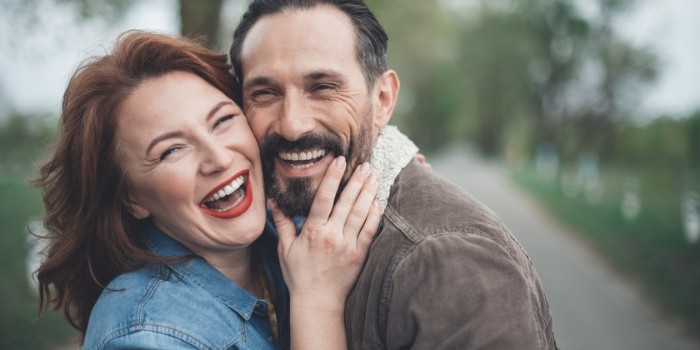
(295, 198)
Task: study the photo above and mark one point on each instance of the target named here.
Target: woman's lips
(240, 206)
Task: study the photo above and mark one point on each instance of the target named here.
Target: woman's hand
(324, 260)
(321, 264)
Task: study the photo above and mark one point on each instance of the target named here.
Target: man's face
(306, 100)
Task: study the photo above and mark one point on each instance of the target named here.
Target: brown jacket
(445, 273)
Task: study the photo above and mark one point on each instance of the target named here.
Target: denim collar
(198, 271)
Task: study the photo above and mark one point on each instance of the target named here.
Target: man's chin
(296, 197)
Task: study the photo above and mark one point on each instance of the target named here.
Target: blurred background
(577, 121)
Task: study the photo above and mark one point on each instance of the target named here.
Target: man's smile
(303, 163)
(302, 159)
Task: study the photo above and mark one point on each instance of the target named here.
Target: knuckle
(355, 258)
(325, 198)
(329, 242)
(344, 200)
(359, 212)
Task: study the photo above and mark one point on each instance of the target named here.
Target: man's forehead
(321, 27)
(309, 43)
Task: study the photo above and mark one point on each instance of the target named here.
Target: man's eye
(321, 87)
(261, 93)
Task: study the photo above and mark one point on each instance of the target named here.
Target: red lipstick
(237, 210)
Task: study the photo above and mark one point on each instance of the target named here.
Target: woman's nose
(216, 157)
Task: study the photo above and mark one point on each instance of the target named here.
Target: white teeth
(227, 190)
(303, 166)
(303, 155)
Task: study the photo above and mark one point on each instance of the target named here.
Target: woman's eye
(168, 152)
(223, 120)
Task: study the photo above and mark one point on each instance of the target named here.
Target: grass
(651, 247)
(20, 325)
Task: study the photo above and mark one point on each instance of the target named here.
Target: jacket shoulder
(422, 204)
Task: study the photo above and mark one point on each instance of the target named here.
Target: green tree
(543, 61)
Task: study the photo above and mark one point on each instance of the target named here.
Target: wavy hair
(92, 236)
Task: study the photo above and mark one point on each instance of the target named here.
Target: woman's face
(192, 163)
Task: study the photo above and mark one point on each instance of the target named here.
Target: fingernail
(340, 162)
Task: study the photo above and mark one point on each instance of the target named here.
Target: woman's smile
(230, 199)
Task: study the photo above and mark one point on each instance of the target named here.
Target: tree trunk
(201, 19)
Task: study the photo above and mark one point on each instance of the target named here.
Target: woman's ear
(386, 90)
(133, 206)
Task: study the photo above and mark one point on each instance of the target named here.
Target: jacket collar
(198, 271)
(391, 153)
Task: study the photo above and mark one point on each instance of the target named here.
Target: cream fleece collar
(391, 153)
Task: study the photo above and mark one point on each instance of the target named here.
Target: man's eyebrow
(311, 76)
(323, 74)
(257, 81)
(178, 133)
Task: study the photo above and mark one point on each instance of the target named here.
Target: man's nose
(216, 157)
(295, 119)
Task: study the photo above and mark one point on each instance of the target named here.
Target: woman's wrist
(317, 302)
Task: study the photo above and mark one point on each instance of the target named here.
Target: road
(592, 307)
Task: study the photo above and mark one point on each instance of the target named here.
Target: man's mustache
(330, 142)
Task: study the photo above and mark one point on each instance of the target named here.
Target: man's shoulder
(424, 204)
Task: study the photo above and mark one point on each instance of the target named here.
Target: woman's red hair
(92, 236)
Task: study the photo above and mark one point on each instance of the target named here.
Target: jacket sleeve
(460, 291)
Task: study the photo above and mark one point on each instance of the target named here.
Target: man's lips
(238, 182)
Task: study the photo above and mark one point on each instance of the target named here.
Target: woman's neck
(239, 267)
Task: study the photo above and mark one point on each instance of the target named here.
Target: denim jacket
(188, 305)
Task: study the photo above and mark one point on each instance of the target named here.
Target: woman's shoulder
(153, 304)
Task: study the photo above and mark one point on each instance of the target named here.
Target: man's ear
(386, 90)
(133, 206)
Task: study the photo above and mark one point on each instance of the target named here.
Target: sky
(672, 28)
(34, 81)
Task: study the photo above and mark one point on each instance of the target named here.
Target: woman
(154, 198)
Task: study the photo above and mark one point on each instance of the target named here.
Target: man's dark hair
(371, 39)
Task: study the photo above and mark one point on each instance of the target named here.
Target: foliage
(544, 61)
(421, 45)
(651, 247)
(201, 19)
(656, 167)
(672, 144)
(22, 139)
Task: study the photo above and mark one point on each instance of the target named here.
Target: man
(443, 272)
